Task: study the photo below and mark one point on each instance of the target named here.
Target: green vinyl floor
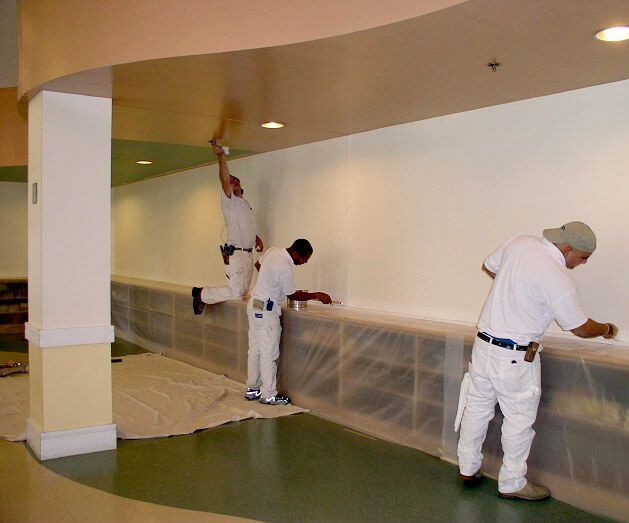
(297, 468)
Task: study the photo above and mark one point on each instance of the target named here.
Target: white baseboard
(48, 338)
(70, 442)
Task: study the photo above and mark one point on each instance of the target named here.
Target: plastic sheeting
(153, 396)
(398, 378)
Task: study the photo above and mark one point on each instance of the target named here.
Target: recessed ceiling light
(144, 162)
(613, 34)
(272, 125)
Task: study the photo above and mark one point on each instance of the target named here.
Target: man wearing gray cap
(531, 288)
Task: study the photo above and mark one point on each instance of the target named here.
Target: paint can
(297, 304)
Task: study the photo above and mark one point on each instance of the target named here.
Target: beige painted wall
(13, 130)
(70, 386)
(13, 230)
(405, 215)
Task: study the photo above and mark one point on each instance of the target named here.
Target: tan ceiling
(62, 37)
(411, 70)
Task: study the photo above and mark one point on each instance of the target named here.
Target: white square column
(69, 328)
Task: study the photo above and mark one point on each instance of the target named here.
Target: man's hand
(324, 298)
(591, 329)
(217, 149)
(612, 332)
(259, 244)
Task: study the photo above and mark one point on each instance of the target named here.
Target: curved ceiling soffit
(152, 29)
(413, 68)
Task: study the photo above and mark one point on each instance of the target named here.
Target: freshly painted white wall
(13, 230)
(443, 193)
(169, 229)
(401, 218)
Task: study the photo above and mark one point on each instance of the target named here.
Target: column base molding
(69, 442)
(70, 336)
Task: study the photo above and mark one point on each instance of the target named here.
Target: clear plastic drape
(399, 379)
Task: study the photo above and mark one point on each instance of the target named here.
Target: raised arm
(223, 169)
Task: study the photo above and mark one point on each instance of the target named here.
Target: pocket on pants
(518, 379)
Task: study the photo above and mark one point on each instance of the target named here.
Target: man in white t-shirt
(241, 238)
(276, 281)
(532, 287)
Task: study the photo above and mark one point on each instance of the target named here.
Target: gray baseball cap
(575, 234)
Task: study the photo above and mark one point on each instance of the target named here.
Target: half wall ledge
(398, 378)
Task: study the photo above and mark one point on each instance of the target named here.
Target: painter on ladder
(532, 287)
(241, 239)
(276, 281)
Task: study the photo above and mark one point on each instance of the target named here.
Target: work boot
(472, 481)
(197, 303)
(530, 492)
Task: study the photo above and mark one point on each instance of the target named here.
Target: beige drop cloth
(153, 396)
(13, 407)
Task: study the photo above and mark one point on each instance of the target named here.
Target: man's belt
(228, 250)
(501, 342)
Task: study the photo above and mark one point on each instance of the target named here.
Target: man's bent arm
(305, 296)
(591, 329)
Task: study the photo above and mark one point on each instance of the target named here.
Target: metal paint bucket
(297, 304)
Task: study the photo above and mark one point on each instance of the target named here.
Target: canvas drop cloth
(153, 396)
(13, 407)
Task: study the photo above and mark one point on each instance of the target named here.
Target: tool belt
(531, 349)
(262, 305)
(227, 250)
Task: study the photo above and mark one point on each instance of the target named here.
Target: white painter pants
(238, 274)
(502, 375)
(264, 349)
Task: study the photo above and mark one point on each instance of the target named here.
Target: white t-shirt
(240, 221)
(276, 279)
(532, 288)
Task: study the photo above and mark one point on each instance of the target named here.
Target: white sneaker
(275, 400)
(252, 394)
